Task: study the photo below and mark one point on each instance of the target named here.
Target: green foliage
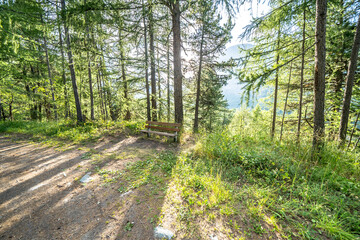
(305, 195)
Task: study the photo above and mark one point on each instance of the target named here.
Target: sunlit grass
(51, 132)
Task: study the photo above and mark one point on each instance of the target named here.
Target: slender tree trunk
(353, 130)
(349, 85)
(2, 112)
(63, 68)
(178, 101)
(152, 65)
(11, 107)
(148, 111)
(49, 75)
(197, 101)
(301, 74)
(101, 95)
(102, 83)
(168, 79)
(159, 84)
(87, 45)
(286, 99)
(71, 66)
(123, 75)
(319, 73)
(276, 85)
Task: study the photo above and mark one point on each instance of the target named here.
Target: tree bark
(63, 69)
(198, 83)
(286, 99)
(123, 75)
(71, 66)
(319, 73)
(102, 83)
(349, 85)
(301, 74)
(2, 112)
(87, 43)
(152, 65)
(159, 84)
(168, 79)
(100, 94)
(178, 101)
(276, 85)
(49, 75)
(148, 108)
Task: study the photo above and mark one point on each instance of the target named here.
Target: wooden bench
(165, 129)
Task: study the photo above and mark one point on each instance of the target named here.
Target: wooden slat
(159, 133)
(164, 123)
(163, 128)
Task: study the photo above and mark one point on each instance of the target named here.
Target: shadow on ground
(41, 196)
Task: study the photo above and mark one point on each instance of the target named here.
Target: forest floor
(218, 186)
(42, 197)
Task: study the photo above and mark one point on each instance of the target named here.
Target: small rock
(86, 178)
(127, 193)
(161, 233)
(213, 237)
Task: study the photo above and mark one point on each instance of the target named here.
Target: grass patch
(53, 132)
(270, 187)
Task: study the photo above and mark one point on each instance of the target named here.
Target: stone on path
(163, 233)
(213, 237)
(86, 178)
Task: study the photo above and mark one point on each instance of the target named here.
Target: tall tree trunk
(286, 99)
(319, 73)
(301, 74)
(63, 68)
(273, 125)
(87, 45)
(2, 112)
(353, 130)
(349, 85)
(123, 75)
(168, 78)
(159, 84)
(101, 94)
(178, 101)
(197, 101)
(11, 108)
(152, 64)
(71, 66)
(102, 83)
(49, 75)
(148, 111)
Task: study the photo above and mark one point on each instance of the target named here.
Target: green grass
(254, 186)
(69, 130)
(250, 181)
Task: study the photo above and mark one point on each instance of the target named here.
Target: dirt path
(41, 196)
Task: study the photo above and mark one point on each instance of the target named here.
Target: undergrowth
(269, 189)
(69, 130)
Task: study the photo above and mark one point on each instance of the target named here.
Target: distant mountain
(234, 51)
(233, 90)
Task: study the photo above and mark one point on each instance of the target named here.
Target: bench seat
(163, 128)
(159, 133)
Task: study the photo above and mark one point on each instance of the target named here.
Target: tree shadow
(54, 205)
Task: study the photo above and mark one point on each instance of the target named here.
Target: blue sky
(243, 18)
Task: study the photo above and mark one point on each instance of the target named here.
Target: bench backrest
(164, 126)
